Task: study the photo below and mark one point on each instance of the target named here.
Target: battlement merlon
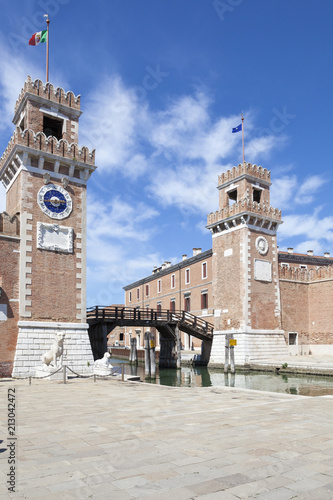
(243, 170)
(32, 151)
(323, 273)
(36, 90)
(244, 208)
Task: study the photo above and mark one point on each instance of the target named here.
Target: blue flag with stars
(237, 129)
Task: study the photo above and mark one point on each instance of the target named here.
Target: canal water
(304, 385)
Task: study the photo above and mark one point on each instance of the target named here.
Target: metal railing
(114, 313)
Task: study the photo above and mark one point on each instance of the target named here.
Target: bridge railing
(114, 313)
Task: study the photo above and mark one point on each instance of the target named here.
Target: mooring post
(122, 372)
(134, 352)
(147, 355)
(29, 380)
(152, 355)
(64, 373)
(178, 346)
(226, 358)
(232, 354)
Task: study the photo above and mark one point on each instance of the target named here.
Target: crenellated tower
(45, 174)
(245, 265)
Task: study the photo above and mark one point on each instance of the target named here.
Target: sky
(162, 83)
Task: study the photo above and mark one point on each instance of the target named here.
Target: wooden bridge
(102, 320)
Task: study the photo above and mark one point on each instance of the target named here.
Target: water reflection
(304, 385)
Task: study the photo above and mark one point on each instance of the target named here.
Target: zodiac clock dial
(55, 201)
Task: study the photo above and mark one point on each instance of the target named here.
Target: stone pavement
(128, 440)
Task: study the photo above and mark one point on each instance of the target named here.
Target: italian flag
(40, 37)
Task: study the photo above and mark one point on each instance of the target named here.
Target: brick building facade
(271, 301)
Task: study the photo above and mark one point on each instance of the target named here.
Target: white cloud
(111, 124)
(283, 192)
(309, 188)
(288, 190)
(317, 232)
(314, 245)
(117, 219)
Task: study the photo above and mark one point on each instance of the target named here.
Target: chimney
(310, 252)
(184, 256)
(327, 255)
(155, 269)
(290, 250)
(196, 251)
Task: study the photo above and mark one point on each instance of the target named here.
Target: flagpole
(47, 47)
(243, 137)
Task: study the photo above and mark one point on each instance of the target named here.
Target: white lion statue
(103, 366)
(56, 351)
(104, 362)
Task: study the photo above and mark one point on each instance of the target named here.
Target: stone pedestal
(50, 372)
(36, 337)
(252, 345)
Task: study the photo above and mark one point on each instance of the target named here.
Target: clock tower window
(256, 195)
(52, 127)
(232, 195)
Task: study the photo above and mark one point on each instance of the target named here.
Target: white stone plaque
(54, 237)
(228, 252)
(262, 270)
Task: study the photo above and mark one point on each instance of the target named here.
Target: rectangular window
(159, 286)
(173, 281)
(204, 300)
(159, 308)
(292, 338)
(130, 296)
(138, 293)
(187, 276)
(187, 303)
(172, 305)
(204, 270)
(147, 290)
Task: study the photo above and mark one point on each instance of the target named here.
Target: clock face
(54, 201)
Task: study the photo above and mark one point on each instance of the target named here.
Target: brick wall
(228, 279)
(321, 312)
(9, 273)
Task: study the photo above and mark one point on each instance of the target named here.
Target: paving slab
(127, 440)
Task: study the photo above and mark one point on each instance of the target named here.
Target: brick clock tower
(45, 174)
(245, 266)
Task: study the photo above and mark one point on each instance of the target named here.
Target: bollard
(178, 346)
(226, 354)
(232, 358)
(152, 355)
(29, 380)
(94, 378)
(122, 373)
(133, 353)
(64, 373)
(147, 355)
